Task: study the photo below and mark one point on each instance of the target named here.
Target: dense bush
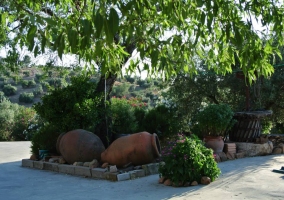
(7, 114)
(162, 121)
(25, 84)
(9, 90)
(187, 160)
(2, 96)
(17, 79)
(31, 83)
(22, 119)
(123, 119)
(75, 106)
(44, 138)
(38, 91)
(26, 97)
(45, 85)
(57, 82)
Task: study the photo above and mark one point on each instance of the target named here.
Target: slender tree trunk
(102, 130)
(105, 86)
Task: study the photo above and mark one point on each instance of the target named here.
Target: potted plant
(213, 123)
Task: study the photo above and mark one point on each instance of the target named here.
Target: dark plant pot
(137, 149)
(216, 143)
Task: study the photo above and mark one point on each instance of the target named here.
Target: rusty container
(137, 149)
(79, 146)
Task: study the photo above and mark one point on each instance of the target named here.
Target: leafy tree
(167, 34)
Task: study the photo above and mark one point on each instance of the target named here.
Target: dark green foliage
(31, 83)
(45, 138)
(162, 121)
(187, 160)
(57, 82)
(7, 113)
(26, 97)
(215, 119)
(129, 79)
(45, 85)
(75, 106)
(9, 90)
(17, 79)
(23, 116)
(38, 77)
(25, 84)
(122, 115)
(120, 90)
(2, 96)
(38, 91)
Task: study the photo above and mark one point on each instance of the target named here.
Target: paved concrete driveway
(246, 178)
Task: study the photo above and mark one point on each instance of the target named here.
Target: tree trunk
(105, 85)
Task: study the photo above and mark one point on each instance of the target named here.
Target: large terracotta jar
(137, 149)
(216, 143)
(79, 146)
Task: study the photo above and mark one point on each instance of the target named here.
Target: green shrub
(9, 90)
(129, 79)
(57, 82)
(25, 84)
(31, 83)
(23, 117)
(39, 77)
(26, 97)
(38, 91)
(7, 116)
(162, 121)
(75, 106)
(2, 97)
(188, 160)
(45, 85)
(215, 119)
(17, 79)
(122, 115)
(45, 138)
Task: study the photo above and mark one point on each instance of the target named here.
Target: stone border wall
(96, 173)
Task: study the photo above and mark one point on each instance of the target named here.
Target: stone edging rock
(96, 173)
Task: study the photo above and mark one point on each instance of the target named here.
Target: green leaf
(113, 22)
(36, 51)
(51, 22)
(31, 33)
(99, 22)
(43, 43)
(61, 46)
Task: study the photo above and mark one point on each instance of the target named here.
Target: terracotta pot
(214, 142)
(79, 146)
(137, 149)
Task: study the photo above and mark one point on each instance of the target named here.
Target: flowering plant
(188, 160)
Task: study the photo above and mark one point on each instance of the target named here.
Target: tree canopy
(169, 35)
